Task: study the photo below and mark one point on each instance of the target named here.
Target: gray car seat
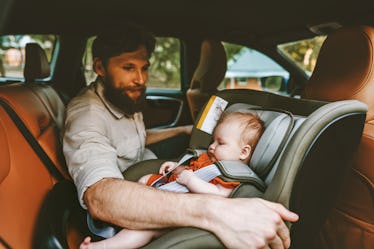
(300, 160)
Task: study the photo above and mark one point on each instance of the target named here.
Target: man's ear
(98, 67)
(245, 153)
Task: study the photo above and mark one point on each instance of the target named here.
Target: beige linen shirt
(100, 141)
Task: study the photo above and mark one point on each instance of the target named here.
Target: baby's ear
(245, 153)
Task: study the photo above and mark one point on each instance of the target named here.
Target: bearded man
(105, 134)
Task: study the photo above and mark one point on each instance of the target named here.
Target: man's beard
(120, 98)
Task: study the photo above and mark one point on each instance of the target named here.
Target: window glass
(303, 53)
(248, 68)
(165, 64)
(12, 52)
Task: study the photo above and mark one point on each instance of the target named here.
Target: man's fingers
(285, 214)
(284, 236)
(276, 243)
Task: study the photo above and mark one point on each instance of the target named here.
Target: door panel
(162, 111)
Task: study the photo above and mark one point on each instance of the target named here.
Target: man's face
(124, 77)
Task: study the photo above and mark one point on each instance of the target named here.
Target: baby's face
(227, 142)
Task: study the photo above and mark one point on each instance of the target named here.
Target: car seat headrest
(344, 68)
(211, 68)
(278, 125)
(36, 63)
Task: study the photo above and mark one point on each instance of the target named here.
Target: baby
(235, 137)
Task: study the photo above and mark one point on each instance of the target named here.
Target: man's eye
(128, 68)
(145, 68)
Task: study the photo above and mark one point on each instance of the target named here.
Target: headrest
(278, 125)
(211, 68)
(36, 64)
(345, 68)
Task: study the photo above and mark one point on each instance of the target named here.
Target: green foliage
(165, 64)
(232, 50)
(304, 53)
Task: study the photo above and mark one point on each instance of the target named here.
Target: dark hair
(126, 38)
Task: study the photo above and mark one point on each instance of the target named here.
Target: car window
(303, 53)
(12, 52)
(249, 68)
(164, 72)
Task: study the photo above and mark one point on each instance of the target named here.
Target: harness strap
(231, 170)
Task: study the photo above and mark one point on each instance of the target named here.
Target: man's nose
(140, 77)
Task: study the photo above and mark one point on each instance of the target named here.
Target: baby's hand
(166, 167)
(185, 176)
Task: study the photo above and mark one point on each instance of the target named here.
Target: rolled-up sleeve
(88, 152)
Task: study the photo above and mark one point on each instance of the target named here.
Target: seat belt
(6, 245)
(52, 169)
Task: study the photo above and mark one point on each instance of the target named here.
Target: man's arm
(157, 135)
(239, 223)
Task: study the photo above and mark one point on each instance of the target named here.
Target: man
(105, 134)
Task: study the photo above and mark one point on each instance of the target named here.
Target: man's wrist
(211, 213)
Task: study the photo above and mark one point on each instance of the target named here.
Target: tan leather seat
(24, 179)
(345, 70)
(38, 105)
(208, 75)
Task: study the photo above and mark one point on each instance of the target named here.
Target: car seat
(31, 159)
(298, 162)
(345, 70)
(207, 76)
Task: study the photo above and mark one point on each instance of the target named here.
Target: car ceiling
(245, 21)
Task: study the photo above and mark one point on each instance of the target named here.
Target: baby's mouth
(212, 157)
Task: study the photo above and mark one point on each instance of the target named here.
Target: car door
(166, 103)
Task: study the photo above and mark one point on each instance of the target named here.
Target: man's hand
(252, 223)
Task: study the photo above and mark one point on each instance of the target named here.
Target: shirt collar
(99, 89)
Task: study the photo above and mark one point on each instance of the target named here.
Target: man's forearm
(154, 136)
(239, 223)
(135, 206)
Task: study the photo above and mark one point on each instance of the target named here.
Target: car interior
(315, 156)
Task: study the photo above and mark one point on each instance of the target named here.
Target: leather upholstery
(36, 64)
(207, 76)
(23, 188)
(345, 70)
(24, 179)
(4, 154)
(43, 119)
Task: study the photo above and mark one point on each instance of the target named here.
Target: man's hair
(251, 123)
(126, 38)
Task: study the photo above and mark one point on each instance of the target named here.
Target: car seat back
(207, 76)
(31, 116)
(345, 70)
(39, 108)
(24, 183)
